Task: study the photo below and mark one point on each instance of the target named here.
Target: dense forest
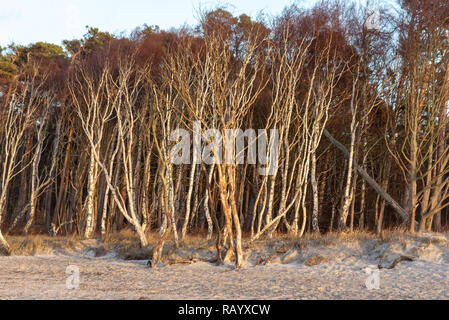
(360, 108)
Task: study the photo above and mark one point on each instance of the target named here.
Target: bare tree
(17, 114)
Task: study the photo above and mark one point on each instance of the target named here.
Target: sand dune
(292, 273)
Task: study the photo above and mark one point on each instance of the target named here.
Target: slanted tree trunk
(393, 203)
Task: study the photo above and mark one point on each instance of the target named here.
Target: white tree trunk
(89, 229)
(206, 204)
(189, 197)
(314, 183)
(347, 198)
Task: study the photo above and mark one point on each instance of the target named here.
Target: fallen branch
(399, 259)
(393, 203)
(395, 262)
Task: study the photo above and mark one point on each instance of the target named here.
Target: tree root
(395, 262)
(382, 258)
(399, 259)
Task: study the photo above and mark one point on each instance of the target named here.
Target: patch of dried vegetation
(42, 244)
(311, 249)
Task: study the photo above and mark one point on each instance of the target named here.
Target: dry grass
(127, 245)
(41, 244)
(199, 242)
(130, 253)
(332, 239)
(315, 260)
(124, 241)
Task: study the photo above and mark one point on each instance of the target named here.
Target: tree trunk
(189, 197)
(396, 206)
(314, 182)
(4, 246)
(206, 202)
(90, 224)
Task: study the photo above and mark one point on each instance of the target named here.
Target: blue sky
(28, 21)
